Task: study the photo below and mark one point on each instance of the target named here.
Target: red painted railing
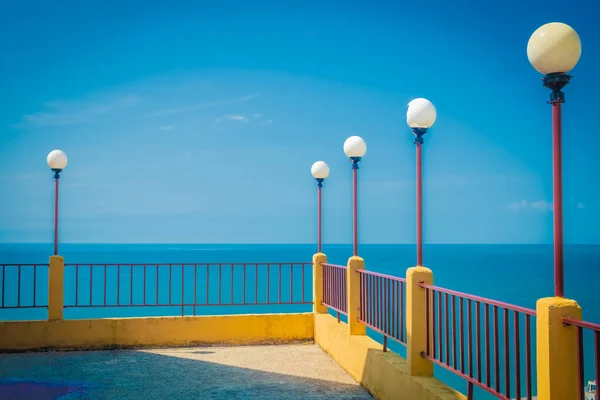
(595, 328)
(186, 285)
(382, 305)
(334, 288)
(20, 285)
(446, 341)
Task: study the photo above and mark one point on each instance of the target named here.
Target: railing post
(353, 286)
(556, 348)
(318, 260)
(56, 275)
(416, 321)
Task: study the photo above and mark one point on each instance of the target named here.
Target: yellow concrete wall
(385, 375)
(155, 331)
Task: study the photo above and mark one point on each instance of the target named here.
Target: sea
(516, 274)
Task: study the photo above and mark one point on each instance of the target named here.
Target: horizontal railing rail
(446, 341)
(185, 284)
(335, 288)
(595, 328)
(382, 300)
(23, 286)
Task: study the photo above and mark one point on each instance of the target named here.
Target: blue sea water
(517, 274)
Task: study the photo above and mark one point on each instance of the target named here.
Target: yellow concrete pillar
(556, 348)
(353, 287)
(318, 260)
(416, 321)
(56, 279)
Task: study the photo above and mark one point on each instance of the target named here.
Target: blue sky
(199, 121)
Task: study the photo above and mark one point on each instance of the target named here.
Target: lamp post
(420, 116)
(320, 171)
(57, 161)
(553, 50)
(355, 149)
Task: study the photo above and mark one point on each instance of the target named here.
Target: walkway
(279, 372)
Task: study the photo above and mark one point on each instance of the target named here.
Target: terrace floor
(281, 372)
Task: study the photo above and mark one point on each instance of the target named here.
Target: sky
(198, 122)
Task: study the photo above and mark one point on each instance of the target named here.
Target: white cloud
(540, 205)
(199, 106)
(236, 118)
(166, 128)
(269, 122)
(66, 113)
(580, 205)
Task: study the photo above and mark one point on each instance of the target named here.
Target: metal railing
(595, 328)
(335, 288)
(382, 299)
(447, 349)
(21, 285)
(185, 285)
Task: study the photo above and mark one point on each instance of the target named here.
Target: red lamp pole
(419, 204)
(556, 82)
(419, 132)
(319, 247)
(56, 178)
(355, 161)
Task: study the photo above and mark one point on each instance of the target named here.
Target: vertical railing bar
(19, 286)
(506, 355)
(303, 267)
(517, 339)
(470, 335)
(170, 281)
(105, 285)
(597, 352)
(220, 282)
(380, 305)
(433, 327)
(244, 287)
(361, 311)
(279, 286)
(91, 285)
(291, 283)
(34, 283)
(402, 313)
(427, 323)
(207, 283)
(268, 283)
(195, 287)
(76, 284)
(478, 338)
(528, 356)
(394, 310)
(118, 284)
(144, 303)
(182, 290)
(462, 335)
(580, 363)
(440, 328)
(157, 268)
(487, 343)
(446, 313)
(496, 350)
(454, 357)
(130, 284)
(232, 282)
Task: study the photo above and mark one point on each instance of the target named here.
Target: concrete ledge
(155, 331)
(385, 375)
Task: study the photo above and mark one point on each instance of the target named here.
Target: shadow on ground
(251, 372)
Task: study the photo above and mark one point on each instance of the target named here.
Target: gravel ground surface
(280, 372)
